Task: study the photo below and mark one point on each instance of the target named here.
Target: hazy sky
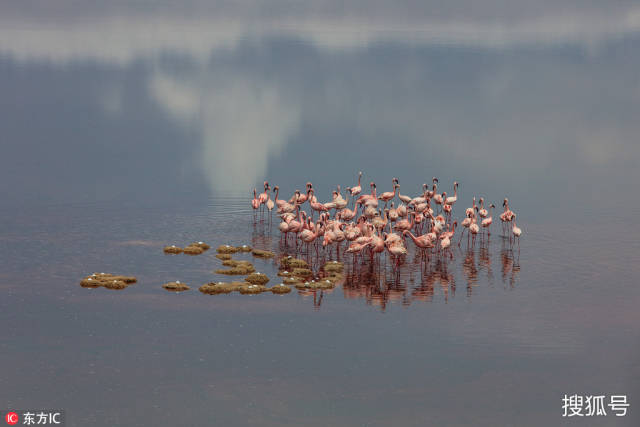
(143, 99)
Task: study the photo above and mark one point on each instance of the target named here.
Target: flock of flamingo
(371, 230)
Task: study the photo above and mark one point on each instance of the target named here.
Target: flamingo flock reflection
(377, 238)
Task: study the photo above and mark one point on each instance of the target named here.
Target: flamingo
(255, 203)
(466, 223)
(389, 195)
(264, 196)
(356, 190)
(482, 212)
(451, 200)
(405, 224)
(434, 195)
(391, 238)
(445, 243)
(270, 204)
(471, 210)
(420, 199)
(372, 198)
(403, 198)
(279, 202)
(393, 214)
(486, 223)
(402, 210)
(346, 214)
(423, 242)
(397, 250)
(517, 232)
(508, 214)
(474, 228)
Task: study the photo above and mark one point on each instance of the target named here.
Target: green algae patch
(280, 289)
(226, 249)
(262, 254)
(333, 267)
(252, 289)
(107, 280)
(214, 288)
(257, 278)
(244, 248)
(291, 263)
(176, 286)
(173, 249)
(223, 257)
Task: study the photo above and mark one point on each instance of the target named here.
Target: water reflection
(206, 104)
(376, 282)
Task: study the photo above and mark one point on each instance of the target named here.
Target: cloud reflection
(243, 123)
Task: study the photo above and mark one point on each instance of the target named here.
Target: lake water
(130, 128)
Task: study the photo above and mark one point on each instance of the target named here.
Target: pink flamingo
(372, 198)
(405, 224)
(357, 189)
(482, 212)
(264, 196)
(451, 200)
(423, 242)
(517, 232)
(486, 223)
(255, 203)
(389, 195)
(472, 210)
(279, 202)
(402, 210)
(315, 205)
(474, 228)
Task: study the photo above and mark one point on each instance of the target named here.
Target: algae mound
(214, 288)
(107, 280)
(193, 250)
(115, 284)
(302, 272)
(176, 286)
(237, 267)
(257, 278)
(226, 249)
(262, 254)
(291, 280)
(333, 267)
(252, 289)
(202, 245)
(223, 256)
(313, 284)
(244, 248)
(280, 289)
(291, 263)
(173, 249)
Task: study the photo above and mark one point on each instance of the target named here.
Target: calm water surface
(128, 126)
(503, 334)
